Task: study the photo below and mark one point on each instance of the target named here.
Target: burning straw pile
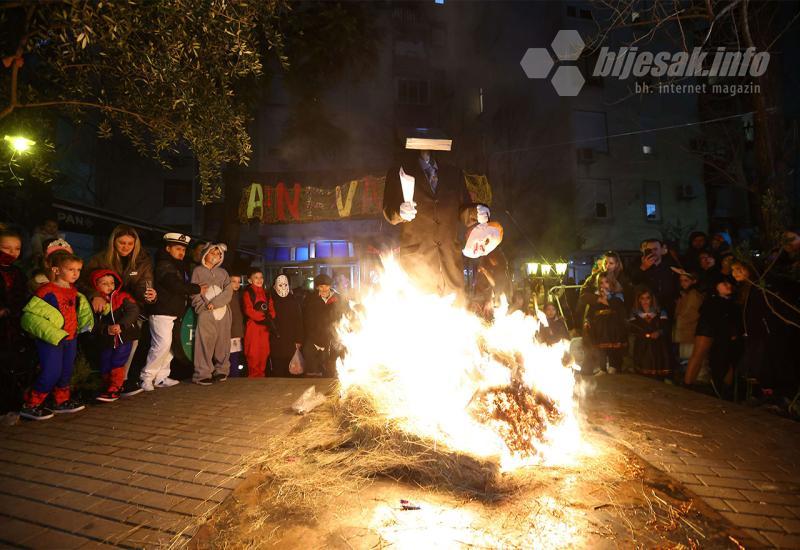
(430, 394)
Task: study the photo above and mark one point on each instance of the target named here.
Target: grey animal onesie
(212, 340)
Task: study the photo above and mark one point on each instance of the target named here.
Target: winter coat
(219, 287)
(237, 317)
(662, 281)
(707, 280)
(430, 252)
(172, 285)
(320, 319)
(134, 277)
(42, 319)
(687, 313)
(650, 355)
(13, 295)
(720, 319)
(288, 325)
(606, 324)
(120, 309)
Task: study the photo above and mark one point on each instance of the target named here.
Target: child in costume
(116, 329)
(54, 317)
(212, 341)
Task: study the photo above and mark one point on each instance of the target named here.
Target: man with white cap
(173, 288)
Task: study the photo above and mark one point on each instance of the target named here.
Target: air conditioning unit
(687, 191)
(585, 154)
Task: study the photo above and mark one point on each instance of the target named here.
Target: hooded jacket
(120, 309)
(172, 285)
(219, 285)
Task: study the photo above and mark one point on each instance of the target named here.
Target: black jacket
(288, 325)
(663, 282)
(430, 251)
(320, 319)
(172, 285)
(720, 319)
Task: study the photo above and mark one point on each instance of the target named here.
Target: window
(594, 198)
(412, 92)
(340, 249)
(322, 249)
(277, 254)
(590, 131)
(178, 193)
(652, 201)
(301, 253)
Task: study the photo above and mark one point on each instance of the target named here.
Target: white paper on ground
(309, 401)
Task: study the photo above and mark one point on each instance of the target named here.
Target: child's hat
(56, 245)
(177, 238)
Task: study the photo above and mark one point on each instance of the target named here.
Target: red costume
(256, 333)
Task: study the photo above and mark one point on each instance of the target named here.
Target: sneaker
(204, 382)
(68, 406)
(219, 377)
(147, 385)
(130, 389)
(166, 383)
(611, 370)
(108, 396)
(36, 413)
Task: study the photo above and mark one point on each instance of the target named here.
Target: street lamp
(19, 144)
(561, 268)
(533, 268)
(546, 269)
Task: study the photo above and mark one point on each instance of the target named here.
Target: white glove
(483, 213)
(408, 210)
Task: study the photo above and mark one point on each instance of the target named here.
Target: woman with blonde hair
(125, 256)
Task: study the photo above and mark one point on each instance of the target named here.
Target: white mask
(281, 286)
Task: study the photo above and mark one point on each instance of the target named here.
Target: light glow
(546, 269)
(422, 361)
(561, 268)
(533, 268)
(19, 144)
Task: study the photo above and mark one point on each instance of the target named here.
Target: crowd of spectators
(710, 316)
(706, 316)
(54, 306)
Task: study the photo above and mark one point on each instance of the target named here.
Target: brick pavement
(138, 472)
(141, 472)
(743, 462)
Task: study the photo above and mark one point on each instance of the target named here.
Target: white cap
(177, 238)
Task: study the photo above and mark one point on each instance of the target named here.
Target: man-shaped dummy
(431, 204)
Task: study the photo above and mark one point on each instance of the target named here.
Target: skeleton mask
(281, 286)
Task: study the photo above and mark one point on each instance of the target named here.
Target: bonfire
(432, 394)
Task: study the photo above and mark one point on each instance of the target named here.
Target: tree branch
(100, 106)
(16, 62)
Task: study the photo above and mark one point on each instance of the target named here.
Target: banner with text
(357, 198)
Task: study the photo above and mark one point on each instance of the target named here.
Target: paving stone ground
(743, 462)
(141, 472)
(138, 472)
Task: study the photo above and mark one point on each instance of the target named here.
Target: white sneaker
(611, 370)
(147, 385)
(167, 383)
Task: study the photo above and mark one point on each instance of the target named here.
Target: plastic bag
(297, 365)
(309, 401)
